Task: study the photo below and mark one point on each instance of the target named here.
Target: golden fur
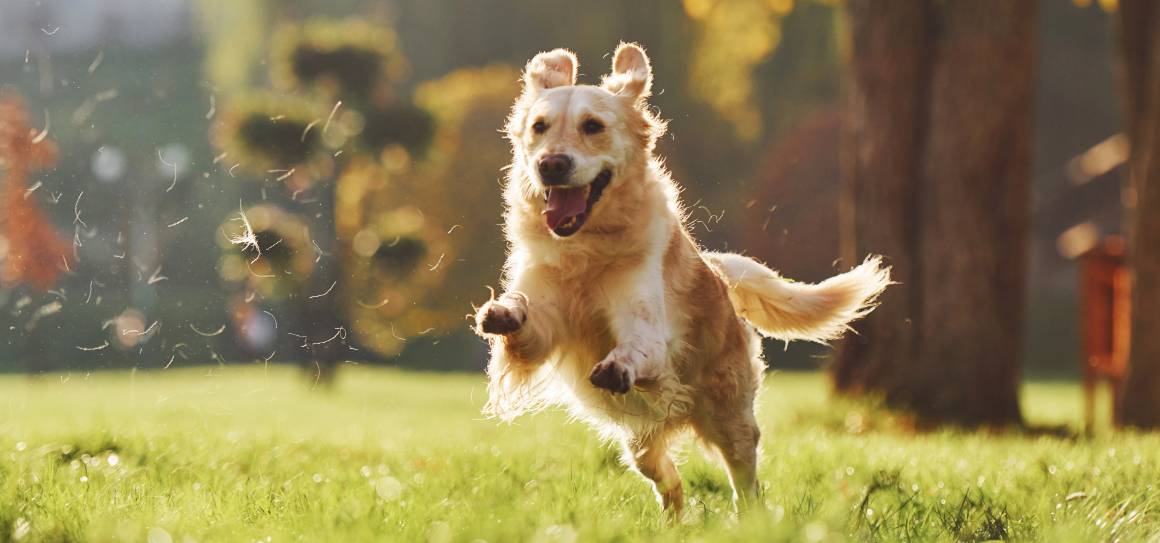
(627, 322)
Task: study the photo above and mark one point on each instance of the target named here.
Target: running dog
(610, 307)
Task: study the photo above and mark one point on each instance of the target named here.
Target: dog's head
(575, 145)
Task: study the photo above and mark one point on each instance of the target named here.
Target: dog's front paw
(503, 316)
(613, 376)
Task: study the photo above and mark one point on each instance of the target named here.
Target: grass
(248, 454)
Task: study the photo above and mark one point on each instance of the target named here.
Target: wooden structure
(1105, 321)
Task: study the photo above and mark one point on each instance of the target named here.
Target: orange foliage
(31, 251)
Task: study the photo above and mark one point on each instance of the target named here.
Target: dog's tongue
(564, 204)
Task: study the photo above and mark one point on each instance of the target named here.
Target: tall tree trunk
(938, 180)
(882, 163)
(1140, 46)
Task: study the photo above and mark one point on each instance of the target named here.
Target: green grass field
(249, 454)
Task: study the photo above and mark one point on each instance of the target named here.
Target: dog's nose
(554, 169)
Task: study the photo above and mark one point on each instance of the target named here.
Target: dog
(610, 308)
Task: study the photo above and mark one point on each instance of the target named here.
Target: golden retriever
(610, 308)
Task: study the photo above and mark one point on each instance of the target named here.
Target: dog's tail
(782, 309)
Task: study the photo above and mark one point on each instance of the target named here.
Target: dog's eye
(539, 127)
(592, 126)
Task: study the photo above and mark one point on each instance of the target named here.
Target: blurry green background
(132, 89)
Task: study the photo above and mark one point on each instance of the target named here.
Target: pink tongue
(564, 204)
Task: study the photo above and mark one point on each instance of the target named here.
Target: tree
(290, 138)
(380, 239)
(1139, 22)
(32, 253)
(936, 163)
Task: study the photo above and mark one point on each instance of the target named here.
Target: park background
(199, 195)
(755, 142)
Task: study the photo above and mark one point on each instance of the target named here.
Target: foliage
(31, 251)
(269, 133)
(392, 262)
(364, 146)
(454, 98)
(347, 59)
(247, 453)
(732, 39)
(234, 44)
(398, 124)
(1106, 5)
(268, 250)
(419, 243)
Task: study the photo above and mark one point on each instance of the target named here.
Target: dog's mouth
(567, 209)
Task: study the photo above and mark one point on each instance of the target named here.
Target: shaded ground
(246, 453)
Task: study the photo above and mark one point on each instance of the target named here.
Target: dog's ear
(631, 72)
(556, 68)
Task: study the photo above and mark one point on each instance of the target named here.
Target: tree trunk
(1140, 46)
(881, 157)
(327, 343)
(938, 180)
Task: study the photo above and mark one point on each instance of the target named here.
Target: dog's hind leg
(735, 437)
(725, 419)
(650, 456)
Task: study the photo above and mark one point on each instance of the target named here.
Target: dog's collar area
(572, 224)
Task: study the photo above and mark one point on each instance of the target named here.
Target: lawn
(237, 453)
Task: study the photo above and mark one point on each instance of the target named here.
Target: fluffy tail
(782, 309)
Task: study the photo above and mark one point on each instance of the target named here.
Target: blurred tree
(419, 243)
(268, 250)
(31, 251)
(235, 41)
(387, 183)
(937, 164)
(1139, 22)
(732, 39)
(788, 220)
(338, 119)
